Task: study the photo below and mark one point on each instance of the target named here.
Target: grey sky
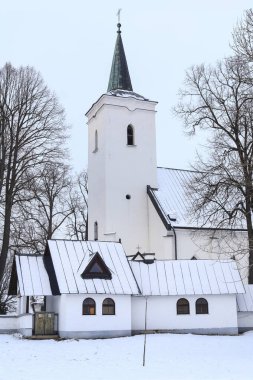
(71, 43)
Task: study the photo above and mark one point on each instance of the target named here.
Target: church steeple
(119, 77)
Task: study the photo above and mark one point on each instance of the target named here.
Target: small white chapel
(145, 267)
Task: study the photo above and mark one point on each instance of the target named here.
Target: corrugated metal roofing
(187, 277)
(173, 197)
(70, 258)
(32, 276)
(171, 194)
(245, 301)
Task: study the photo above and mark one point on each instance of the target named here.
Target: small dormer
(147, 258)
(96, 268)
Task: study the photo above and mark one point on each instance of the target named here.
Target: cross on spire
(118, 14)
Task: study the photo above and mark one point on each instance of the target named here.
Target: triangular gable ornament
(96, 268)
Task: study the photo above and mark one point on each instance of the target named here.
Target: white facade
(116, 169)
(22, 323)
(72, 324)
(162, 315)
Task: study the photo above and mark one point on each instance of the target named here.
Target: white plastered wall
(162, 314)
(200, 244)
(245, 320)
(162, 244)
(73, 324)
(117, 170)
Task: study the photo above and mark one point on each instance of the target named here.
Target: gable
(71, 258)
(97, 269)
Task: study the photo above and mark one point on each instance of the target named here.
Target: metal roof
(70, 258)
(171, 194)
(165, 277)
(119, 76)
(173, 197)
(32, 276)
(245, 301)
(187, 277)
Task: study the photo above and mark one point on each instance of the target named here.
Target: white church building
(143, 267)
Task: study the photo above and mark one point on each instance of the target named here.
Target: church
(145, 266)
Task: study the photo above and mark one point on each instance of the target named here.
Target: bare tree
(243, 36)
(47, 210)
(220, 100)
(32, 132)
(78, 221)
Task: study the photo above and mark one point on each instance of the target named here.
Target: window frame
(95, 230)
(96, 141)
(104, 274)
(112, 305)
(186, 305)
(201, 308)
(130, 135)
(90, 305)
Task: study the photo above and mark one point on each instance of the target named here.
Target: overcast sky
(71, 43)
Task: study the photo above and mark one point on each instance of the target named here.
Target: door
(44, 324)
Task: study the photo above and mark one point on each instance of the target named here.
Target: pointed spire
(119, 77)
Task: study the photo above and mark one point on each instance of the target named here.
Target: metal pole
(145, 334)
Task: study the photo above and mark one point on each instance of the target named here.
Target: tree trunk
(6, 239)
(250, 274)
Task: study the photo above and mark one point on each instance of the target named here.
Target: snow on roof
(126, 94)
(173, 197)
(32, 276)
(187, 277)
(71, 257)
(245, 301)
(171, 194)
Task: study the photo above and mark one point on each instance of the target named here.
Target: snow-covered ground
(168, 356)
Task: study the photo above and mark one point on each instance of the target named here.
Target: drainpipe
(175, 236)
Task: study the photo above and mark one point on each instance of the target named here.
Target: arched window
(201, 306)
(96, 141)
(96, 231)
(89, 306)
(108, 307)
(183, 306)
(130, 135)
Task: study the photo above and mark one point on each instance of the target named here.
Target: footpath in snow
(168, 356)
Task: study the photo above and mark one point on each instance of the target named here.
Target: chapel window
(201, 306)
(183, 306)
(108, 307)
(96, 141)
(130, 135)
(89, 306)
(96, 231)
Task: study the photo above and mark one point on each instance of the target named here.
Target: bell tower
(122, 160)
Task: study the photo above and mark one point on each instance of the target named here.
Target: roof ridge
(181, 170)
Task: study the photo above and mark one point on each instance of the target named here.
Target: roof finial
(119, 24)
